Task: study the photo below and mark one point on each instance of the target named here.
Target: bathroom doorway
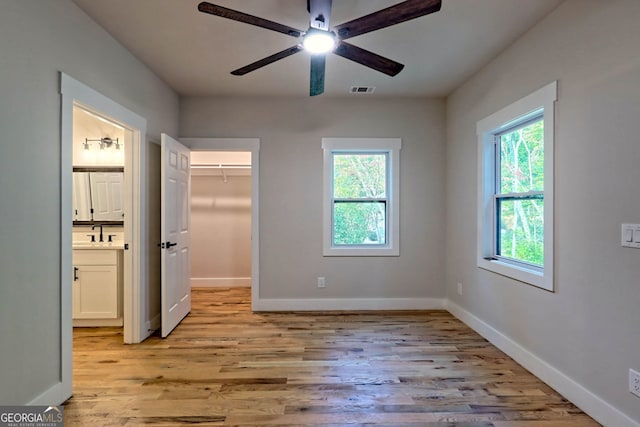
(76, 94)
(98, 211)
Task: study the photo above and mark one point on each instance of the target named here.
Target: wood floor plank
(224, 365)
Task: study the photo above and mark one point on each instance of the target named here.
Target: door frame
(75, 93)
(241, 144)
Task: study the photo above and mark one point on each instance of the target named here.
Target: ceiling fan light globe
(319, 42)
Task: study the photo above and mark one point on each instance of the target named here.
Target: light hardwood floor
(227, 366)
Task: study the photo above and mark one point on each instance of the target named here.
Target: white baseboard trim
(55, 395)
(220, 282)
(594, 406)
(330, 304)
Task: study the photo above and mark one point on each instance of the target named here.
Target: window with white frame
(515, 200)
(361, 193)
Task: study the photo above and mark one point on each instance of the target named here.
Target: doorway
(220, 219)
(98, 236)
(75, 93)
(236, 204)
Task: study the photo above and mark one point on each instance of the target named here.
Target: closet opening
(221, 219)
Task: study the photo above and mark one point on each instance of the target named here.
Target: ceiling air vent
(362, 89)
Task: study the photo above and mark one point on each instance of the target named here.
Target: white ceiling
(195, 52)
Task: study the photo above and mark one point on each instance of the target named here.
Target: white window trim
(541, 100)
(391, 146)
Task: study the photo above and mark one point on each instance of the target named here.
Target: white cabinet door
(95, 292)
(95, 284)
(107, 195)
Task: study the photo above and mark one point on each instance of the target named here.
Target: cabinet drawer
(95, 257)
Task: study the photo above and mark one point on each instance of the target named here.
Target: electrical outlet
(459, 288)
(322, 282)
(634, 382)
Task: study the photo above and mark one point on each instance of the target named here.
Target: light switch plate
(634, 382)
(630, 237)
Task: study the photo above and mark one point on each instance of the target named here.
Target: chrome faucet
(93, 227)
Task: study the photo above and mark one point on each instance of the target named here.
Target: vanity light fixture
(103, 143)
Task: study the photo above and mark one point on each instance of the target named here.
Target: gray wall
(38, 39)
(290, 131)
(220, 229)
(589, 328)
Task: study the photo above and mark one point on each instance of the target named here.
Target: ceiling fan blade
(368, 59)
(316, 86)
(320, 14)
(401, 12)
(266, 61)
(247, 19)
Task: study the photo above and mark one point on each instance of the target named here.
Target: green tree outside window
(519, 194)
(359, 198)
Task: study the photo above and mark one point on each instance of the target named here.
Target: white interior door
(176, 287)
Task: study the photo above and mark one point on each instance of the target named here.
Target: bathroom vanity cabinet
(97, 287)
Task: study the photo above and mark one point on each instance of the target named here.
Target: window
(515, 203)
(361, 185)
(519, 193)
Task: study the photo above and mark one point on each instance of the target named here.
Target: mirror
(98, 196)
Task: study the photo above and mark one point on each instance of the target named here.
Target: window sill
(361, 251)
(521, 274)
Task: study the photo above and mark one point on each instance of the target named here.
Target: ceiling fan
(320, 40)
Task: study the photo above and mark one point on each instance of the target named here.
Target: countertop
(98, 245)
